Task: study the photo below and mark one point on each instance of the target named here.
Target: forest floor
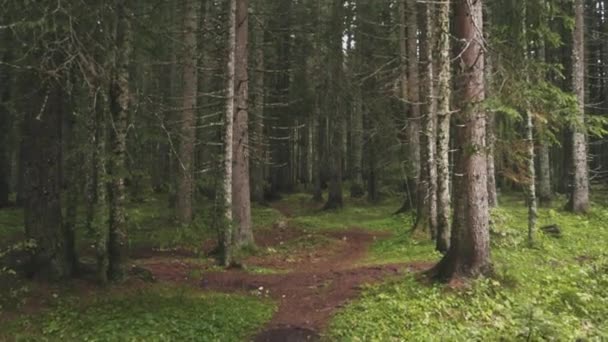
(317, 274)
(346, 275)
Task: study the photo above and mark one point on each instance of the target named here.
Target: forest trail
(309, 286)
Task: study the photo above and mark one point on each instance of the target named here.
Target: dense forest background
(209, 108)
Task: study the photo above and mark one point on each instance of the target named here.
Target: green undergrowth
(555, 290)
(11, 223)
(152, 314)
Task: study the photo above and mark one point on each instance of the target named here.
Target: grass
(554, 291)
(152, 314)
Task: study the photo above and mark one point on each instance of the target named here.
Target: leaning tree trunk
(185, 175)
(120, 98)
(469, 252)
(241, 205)
(579, 197)
(42, 209)
(443, 129)
(227, 234)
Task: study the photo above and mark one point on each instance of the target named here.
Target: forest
(303, 170)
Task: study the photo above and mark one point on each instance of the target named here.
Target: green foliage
(11, 223)
(554, 291)
(154, 314)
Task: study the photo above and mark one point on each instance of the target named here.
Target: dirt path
(316, 283)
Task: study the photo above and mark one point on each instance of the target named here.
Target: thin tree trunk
(427, 184)
(443, 129)
(469, 253)
(241, 194)
(5, 127)
(414, 125)
(490, 124)
(545, 193)
(185, 182)
(259, 158)
(120, 98)
(579, 198)
(227, 235)
(356, 189)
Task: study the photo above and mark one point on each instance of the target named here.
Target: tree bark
(427, 184)
(227, 234)
(185, 181)
(5, 126)
(545, 193)
(120, 98)
(579, 197)
(469, 252)
(335, 108)
(414, 126)
(42, 169)
(259, 159)
(241, 195)
(443, 129)
(356, 189)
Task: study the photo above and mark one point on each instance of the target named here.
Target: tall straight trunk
(42, 162)
(319, 151)
(185, 182)
(443, 129)
(259, 159)
(241, 194)
(413, 126)
(227, 234)
(427, 184)
(5, 127)
(72, 180)
(120, 98)
(531, 175)
(490, 124)
(579, 197)
(96, 192)
(356, 189)
(334, 108)
(469, 252)
(545, 192)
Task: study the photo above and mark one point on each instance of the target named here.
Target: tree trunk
(545, 193)
(185, 182)
(356, 189)
(120, 98)
(469, 252)
(427, 185)
(5, 127)
(443, 129)
(241, 195)
(413, 126)
(579, 197)
(42, 169)
(259, 159)
(227, 236)
(490, 124)
(334, 108)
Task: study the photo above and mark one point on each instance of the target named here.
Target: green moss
(11, 223)
(553, 291)
(155, 314)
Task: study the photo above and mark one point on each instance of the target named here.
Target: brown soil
(315, 282)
